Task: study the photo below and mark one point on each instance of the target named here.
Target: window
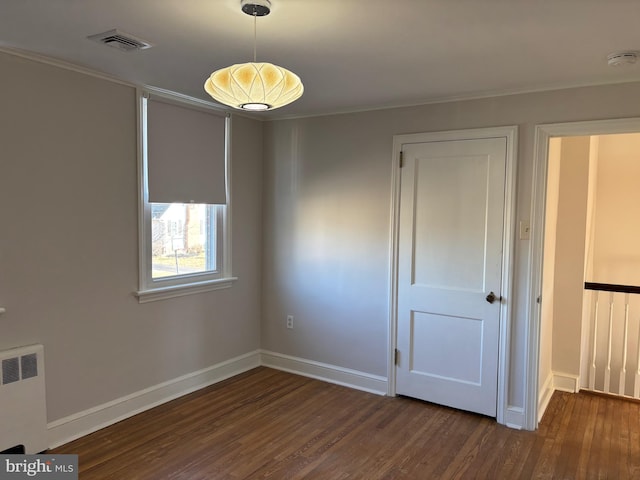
(184, 239)
(184, 204)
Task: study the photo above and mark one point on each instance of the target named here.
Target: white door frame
(536, 255)
(511, 135)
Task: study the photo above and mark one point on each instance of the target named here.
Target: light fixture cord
(255, 34)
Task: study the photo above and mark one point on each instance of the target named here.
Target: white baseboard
(88, 421)
(563, 382)
(544, 395)
(566, 382)
(514, 417)
(326, 372)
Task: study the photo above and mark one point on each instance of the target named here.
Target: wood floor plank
(633, 462)
(570, 451)
(268, 424)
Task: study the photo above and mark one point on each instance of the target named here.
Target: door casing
(510, 416)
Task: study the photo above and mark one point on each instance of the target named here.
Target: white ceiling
(350, 54)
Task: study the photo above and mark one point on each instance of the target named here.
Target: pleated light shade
(254, 86)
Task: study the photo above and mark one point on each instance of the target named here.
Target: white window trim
(189, 284)
(162, 293)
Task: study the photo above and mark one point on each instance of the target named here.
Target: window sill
(162, 293)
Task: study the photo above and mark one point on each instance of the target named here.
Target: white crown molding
(434, 101)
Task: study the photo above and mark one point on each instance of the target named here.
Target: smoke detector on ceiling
(124, 42)
(622, 58)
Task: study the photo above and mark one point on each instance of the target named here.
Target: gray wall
(327, 217)
(68, 237)
(69, 251)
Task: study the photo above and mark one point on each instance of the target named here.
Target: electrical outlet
(289, 321)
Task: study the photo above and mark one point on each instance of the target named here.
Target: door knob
(491, 297)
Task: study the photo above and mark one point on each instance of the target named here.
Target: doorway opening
(586, 252)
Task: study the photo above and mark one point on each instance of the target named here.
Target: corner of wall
(544, 395)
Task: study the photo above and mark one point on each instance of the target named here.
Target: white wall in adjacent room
(616, 255)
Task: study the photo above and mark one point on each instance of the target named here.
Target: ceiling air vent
(120, 40)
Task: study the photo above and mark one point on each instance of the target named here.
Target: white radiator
(23, 414)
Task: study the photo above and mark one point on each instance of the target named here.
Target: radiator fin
(29, 366)
(10, 370)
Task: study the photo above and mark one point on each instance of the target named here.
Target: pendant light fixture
(254, 86)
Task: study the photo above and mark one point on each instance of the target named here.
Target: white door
(450, 260)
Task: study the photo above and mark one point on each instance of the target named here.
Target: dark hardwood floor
(271, 424)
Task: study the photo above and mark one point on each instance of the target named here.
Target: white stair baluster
(636, 380)
(607, 372)
(592, 370)
(623, 372)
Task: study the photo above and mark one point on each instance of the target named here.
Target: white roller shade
(185, 154)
